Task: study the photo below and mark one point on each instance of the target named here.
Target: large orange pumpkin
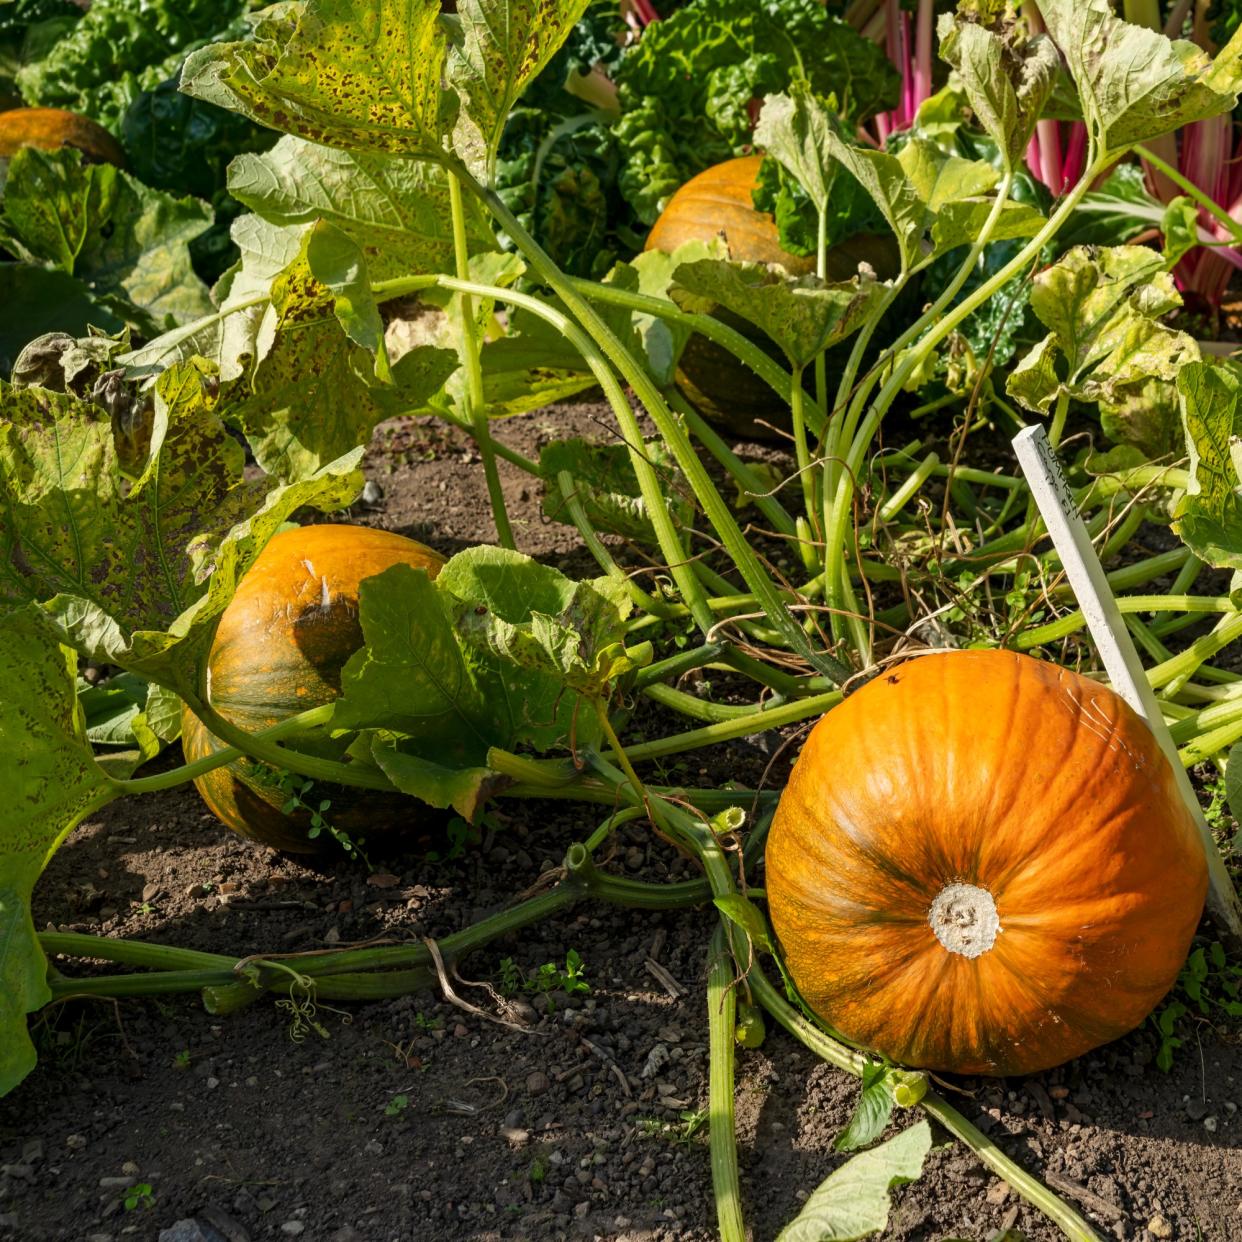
(53, 128)
(982, 864)
(279, 649)
(718, 203)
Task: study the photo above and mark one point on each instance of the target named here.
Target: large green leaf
(1103, 309)
(803, 315)
(362, 74)
(397, 210)
(50, 783)
(498, 47)
(1133, 83)
(1007, 80)
(1210, 519)
(493, 653)
(853, 1201)
(236, 334)
(122, 239)
(313, 396)
(136, 574)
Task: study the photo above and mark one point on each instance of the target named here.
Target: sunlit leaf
(51, 783)
(853, 1201)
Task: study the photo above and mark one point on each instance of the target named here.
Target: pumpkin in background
(279, 649)
(718, 202)
(53, 128)
(982, 864)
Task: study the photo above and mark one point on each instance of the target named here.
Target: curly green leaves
(136, 574)
(369, 74)
(50, 783)
(1133, 83)
(1106, 343)
(493, 653)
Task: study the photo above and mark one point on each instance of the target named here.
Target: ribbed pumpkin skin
(53, 128)
(279, 650)
(719, 201)
(995, 770)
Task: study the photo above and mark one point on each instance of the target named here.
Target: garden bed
(413, 1119)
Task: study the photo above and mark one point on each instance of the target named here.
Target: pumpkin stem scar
(964, 919)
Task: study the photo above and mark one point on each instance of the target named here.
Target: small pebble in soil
(75, 1142)
(1196, 1110)
(537, 1083)
(291, 1228)
(1158, 1227)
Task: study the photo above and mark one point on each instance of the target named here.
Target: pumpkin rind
(279, 649)
(53, 128)
(990, 771)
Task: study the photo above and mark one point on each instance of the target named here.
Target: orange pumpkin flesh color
(279, 649)
(53, 128)
(981, 864)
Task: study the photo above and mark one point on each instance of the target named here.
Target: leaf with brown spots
(358, 74)
(502, 45)
(313, 395)
(50, 783)
(135, 574)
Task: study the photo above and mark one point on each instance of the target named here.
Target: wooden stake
(1108, 629)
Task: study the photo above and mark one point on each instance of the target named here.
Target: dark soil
(412, 1119)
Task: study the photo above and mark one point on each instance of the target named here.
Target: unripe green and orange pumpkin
(982, 864)
(279, 649)
(719, 203)
(53, 128)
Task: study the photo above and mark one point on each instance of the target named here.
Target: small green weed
(301, 791)
(424, 1023)
(396, 1106)
(139, 1196)
(547, 979)
(182, 1060)
(1209, 987)
(681, 1132)
(538, 1169)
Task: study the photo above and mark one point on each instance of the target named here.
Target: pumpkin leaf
(884, 179)
(1134, 84)
(233, 335)
(803, 315)
(126, 242)
(465, 789)
(480, 658)
(1106, 339)
(853, 1201)
(364, 76)
(652, 273)
(1210, 516)
(396, 210)
(532, 616)
(52, 782)
(872, 1112)
(1180, 226)
(498, 47)
(1007, 80)
(793, 128)
(136, 574)
(311, 398)
(607, 487)
(740, 910)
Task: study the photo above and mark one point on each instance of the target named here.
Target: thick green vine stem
(722, 1135)
(475, 398)
(717, 509)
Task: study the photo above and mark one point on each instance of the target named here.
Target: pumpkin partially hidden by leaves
(718, 203)
(982, 864)
(53, 128)
(279, 649)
